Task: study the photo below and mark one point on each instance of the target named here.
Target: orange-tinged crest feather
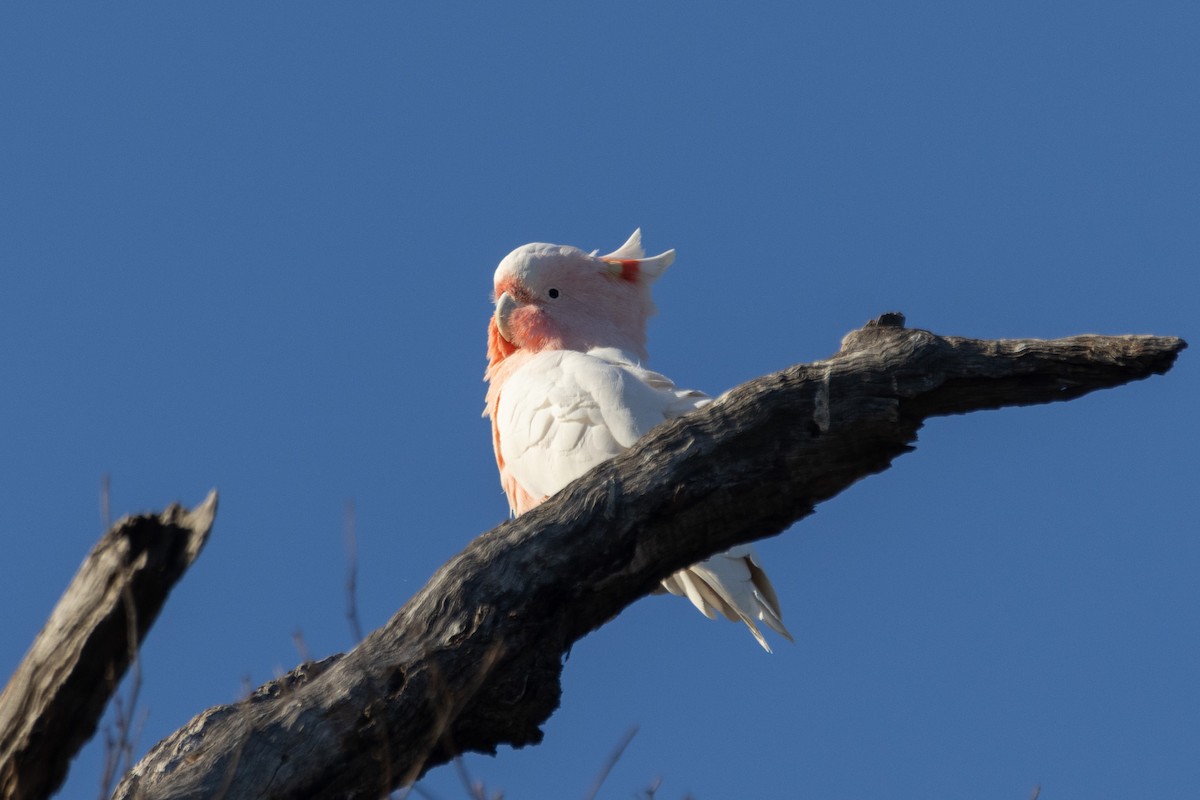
(628, 269)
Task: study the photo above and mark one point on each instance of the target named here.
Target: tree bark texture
(473, 660)
(54, 700)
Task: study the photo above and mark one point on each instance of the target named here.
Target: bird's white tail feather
(733, 584)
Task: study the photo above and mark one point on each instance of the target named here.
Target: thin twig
(300, 645)
(120, 736)
(352, 573)
(105, 502)
(613, 758)
(401, 794)
(476, 790)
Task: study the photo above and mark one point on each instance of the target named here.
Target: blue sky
(251, 249)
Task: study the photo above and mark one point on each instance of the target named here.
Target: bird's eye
(552, 294)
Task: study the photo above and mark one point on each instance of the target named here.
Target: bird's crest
(629, 262)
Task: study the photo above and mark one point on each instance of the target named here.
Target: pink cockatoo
(567, 391)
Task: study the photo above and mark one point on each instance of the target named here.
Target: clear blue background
(252, 248)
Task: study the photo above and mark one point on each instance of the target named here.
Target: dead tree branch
(53, 702)
(474, 659)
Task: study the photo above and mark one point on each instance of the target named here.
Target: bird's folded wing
(564, 412)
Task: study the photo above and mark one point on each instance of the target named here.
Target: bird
(567, 390)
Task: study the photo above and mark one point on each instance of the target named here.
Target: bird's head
(554, 297)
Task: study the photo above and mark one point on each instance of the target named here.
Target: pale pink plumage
(567, 391)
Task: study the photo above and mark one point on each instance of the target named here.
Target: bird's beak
(505, 305)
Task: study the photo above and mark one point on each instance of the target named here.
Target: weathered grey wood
(54, 700)
(474, 659)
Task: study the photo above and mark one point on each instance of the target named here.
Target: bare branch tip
(889, 319)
